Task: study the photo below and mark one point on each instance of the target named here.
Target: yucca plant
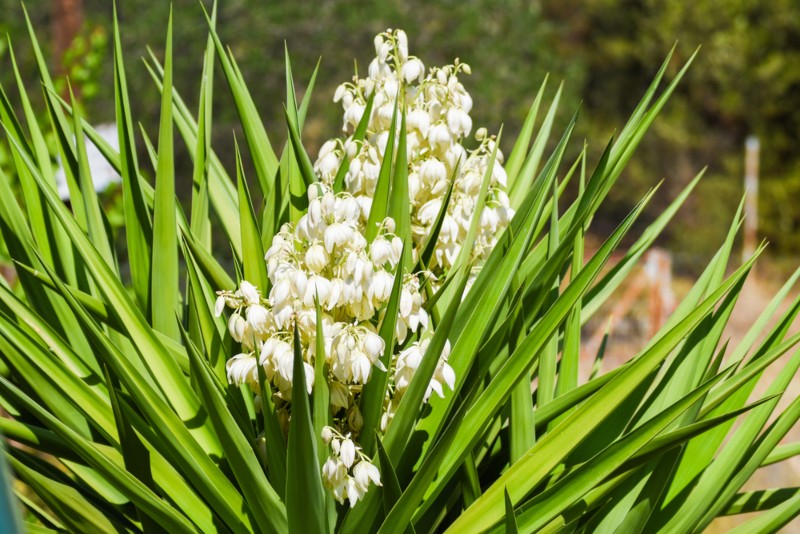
(398, 347)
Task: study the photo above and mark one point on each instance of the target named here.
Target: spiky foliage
(122, 417)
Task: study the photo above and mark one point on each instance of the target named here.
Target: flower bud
(354, 418)
(337, 96)
(402, 44)
(219, 306)
(339, 396)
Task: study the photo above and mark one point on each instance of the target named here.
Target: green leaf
(358, 137)
(134, 452)
(138, 226)
(322, 406)
(522, 181)
(263, 502)
(775, 518)
(399, 200)
(273, 437)
(554, 446)
(201, 224)
(391, 487)
(511, 521)
(404, 418)
(9, 512)
(374, 392)
(186, 447)
(517, 155)
(305, 501)
(264, 160)
(74, 509)
(782, 452)
(127, 483)
(759, 500)
(221, 189)
(255, 269)
(164, 284)
(379, 208)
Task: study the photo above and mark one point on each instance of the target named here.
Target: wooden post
(67, 17)
(751, 146)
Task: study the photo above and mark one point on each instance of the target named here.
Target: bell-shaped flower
(336, 235)
(242, 369)
(347, 452)
(365, 472)
(380, 286)
(236, 327)
(316, 258)
(258, 318)
(249, 292)
(413, 70)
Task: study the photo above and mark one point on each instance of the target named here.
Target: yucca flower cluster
(326, 259)
(437, 109)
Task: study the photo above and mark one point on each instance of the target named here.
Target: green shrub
(415, 266)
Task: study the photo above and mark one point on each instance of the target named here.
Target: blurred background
(746, 81)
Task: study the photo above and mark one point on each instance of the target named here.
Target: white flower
(242, 369)
(448, 376)
(317, 287)
(281, 292)
(360, 367)
(402, 44)
(325, 255)
(316, 258)
(339, 93)
(354, 492)
(353, 114)
(459, 122)
(439, 136)
(236, 327)
(334, 472)
(249, 292)
(380, 251)
(413, 70)
(365, 472)
(420, 120)
(337, 234)
(433, 171)
(380, 286)
(347, 452)
(378, 70)
(219, 306)
(258, 318)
